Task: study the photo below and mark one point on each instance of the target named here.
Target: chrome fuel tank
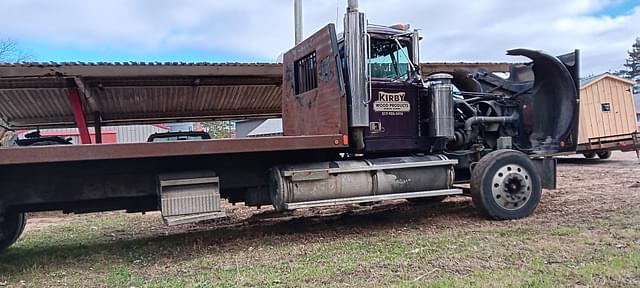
(354, 181)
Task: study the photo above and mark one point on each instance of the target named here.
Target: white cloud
(455, 30)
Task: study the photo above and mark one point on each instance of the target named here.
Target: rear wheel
(11, 227)
(604, 155)
(590, 155)
(505, 185)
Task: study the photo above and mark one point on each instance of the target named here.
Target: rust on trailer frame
(71, 153)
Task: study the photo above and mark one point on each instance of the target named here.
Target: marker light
(401, 26)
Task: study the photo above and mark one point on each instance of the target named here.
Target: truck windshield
(388, 61)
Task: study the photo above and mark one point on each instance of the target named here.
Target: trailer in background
(607, 116)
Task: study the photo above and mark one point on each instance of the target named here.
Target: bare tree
(11, 52)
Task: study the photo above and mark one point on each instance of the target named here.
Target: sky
(260, 30)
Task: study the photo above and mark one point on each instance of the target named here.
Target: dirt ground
(585, 185)
(593, 218)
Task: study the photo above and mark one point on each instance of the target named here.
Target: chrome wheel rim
(511, 187)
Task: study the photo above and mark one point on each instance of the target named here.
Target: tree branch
(10, 52)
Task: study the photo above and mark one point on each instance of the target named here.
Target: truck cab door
(393, 110)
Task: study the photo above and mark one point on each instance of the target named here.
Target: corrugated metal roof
(122, 103)
(45, 105)
(24, 108)
(36, 94)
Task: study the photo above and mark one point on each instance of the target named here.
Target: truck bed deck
(72, 153)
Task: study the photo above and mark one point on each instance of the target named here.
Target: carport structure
(50, 95)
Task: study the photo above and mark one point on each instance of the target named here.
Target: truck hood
(547, 90)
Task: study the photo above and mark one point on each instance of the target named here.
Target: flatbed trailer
(603, 146)
(363, 121)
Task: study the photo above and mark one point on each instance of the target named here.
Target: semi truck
(361, 122)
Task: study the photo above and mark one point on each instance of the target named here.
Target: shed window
(606, 107)
(306, 74)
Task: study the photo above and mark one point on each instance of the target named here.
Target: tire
(505, 185)
(11, 227)
(427, 200)
(589, 155)
(604, 155)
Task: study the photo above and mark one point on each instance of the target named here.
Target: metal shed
(607, 110)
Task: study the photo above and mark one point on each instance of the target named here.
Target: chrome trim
(375, 198)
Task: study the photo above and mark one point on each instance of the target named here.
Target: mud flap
(547, 169)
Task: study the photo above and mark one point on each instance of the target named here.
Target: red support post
(78, 114)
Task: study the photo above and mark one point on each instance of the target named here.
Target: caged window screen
(306, 78)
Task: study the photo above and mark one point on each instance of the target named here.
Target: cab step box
(189, 197)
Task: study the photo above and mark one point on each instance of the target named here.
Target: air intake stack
(442, 107)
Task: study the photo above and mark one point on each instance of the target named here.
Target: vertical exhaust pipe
(357, 42)
(357, 54)
(297, 7)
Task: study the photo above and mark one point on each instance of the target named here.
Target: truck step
(189, 197)
(375, 198)
(194, 218)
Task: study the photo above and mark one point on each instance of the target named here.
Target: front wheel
(505, 185)
(11, 227)
(589, 155)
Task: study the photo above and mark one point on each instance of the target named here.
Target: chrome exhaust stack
(357, 55)
(352, 5)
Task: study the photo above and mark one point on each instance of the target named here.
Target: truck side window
(387, 61)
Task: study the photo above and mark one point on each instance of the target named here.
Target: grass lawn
(587, 233)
